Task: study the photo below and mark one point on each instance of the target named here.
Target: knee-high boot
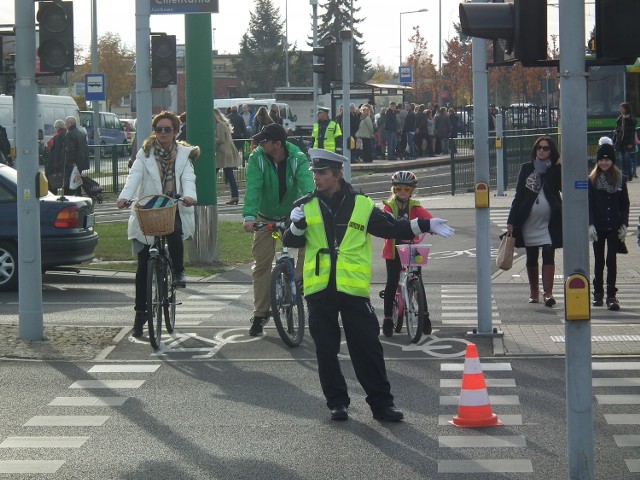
(534, 284)
(548, 271)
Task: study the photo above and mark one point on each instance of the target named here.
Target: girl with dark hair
(535, 218)
(608, 222)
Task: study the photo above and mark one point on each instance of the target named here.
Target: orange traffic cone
(474, 409)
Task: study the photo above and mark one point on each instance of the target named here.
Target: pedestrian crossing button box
(577, 305)
(482, 195)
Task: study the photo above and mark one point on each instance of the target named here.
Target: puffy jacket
(144, 179)
(263, 187)
(415, 211)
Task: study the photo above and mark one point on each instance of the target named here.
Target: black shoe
(597, 299)
(388, 414)
(387, 327)
(339, 413)
(426, 327)
(138, 324)
(256, 327)
(612, 303)
(179, 281)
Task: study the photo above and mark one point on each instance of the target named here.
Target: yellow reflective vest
(353, 265)
(330, 134)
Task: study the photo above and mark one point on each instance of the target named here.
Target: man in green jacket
(277, 174)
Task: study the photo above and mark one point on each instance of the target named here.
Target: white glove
(622, 232)
(593, 236)
(297, 214)
(439, 227)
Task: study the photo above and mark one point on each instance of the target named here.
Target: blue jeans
(625, 163)
(392, 143)
(412, 145)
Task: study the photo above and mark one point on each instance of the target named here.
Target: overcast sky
(380, 24)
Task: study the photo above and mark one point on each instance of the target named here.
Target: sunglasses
(544, 148)
(402, 188)
(164, 129)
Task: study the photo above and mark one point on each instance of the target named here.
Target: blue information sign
(406, 74)
(183, 6)
(94, 88)
(581, 184)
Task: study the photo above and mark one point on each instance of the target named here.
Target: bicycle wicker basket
(156, 221)
(412, 255)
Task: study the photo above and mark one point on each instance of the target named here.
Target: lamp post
(440, 36)
(286, 41)
(403, 13)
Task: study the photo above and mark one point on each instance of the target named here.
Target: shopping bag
(75, 180)
(505, 251)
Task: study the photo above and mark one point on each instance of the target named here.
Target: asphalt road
(266, 419)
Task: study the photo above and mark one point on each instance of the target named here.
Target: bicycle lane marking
(177, 339)
(429, 345)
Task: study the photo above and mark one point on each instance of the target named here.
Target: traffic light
(56, 36)
(164, 70)
(521, 25)
(617, 35)
(329, 66)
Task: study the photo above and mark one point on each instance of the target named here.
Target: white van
(49, 107)
(288, 118)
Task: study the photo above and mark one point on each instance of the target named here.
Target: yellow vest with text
(330, 134)
(353, 266)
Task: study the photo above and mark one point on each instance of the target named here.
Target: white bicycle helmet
(404, 177)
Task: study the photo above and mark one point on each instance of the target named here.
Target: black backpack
(5, 146)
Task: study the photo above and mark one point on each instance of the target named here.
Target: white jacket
(144, 179)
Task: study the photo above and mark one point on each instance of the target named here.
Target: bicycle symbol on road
(430, 345)
(217, 342)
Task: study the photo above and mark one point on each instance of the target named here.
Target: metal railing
(517, 146)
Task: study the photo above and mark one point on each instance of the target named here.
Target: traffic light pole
(97, 151)
(143, 71)
(314, 6)
(345, 38)
(575, 221)
(29, 257)
(481, 175)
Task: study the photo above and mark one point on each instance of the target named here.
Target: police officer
(335, 224)
(326, 133)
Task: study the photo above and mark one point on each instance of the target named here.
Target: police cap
(322, 159)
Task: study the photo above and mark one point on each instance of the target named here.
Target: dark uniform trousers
(361, 329)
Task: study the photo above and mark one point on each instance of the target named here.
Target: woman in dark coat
(608, 222)
(535, 217)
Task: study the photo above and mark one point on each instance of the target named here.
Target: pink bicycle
(410, 302)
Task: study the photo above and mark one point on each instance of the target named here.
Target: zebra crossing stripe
(485, 466)
(43, 442)
(110, 384)
(627, 440)
(482, 441)
(30, 466)
(88, 401)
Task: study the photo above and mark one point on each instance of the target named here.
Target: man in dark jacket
(335, 224)
(391, 130)
(240, 132)
(409, 130)
(76, 152)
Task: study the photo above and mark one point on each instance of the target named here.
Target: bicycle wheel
(398, 311)
(169, 303)
(288, 317)
(414, 311)
(155, 293)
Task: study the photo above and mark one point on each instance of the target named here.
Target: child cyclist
(400, 205)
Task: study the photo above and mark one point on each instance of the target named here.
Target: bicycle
(287, 307)
(161, 291)
(410, 300)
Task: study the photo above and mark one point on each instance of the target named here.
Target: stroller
(92, 188)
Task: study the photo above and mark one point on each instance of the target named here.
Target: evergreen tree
(261, 62)
(337, 17)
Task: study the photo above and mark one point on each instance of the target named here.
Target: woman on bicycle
(400, 205)
(163, 166)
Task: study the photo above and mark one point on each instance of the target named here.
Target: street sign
(183, 6)
(94, 86)
(406, 74)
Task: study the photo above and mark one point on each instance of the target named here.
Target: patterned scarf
(166, 160)
(534, 180)
(601, 183)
